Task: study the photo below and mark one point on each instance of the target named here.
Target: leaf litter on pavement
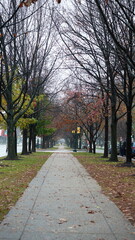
(117, 182)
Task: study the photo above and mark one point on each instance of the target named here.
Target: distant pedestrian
(123, 149)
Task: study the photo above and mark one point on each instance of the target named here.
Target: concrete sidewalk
(64, 203)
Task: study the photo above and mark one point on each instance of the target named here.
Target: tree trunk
(24, 146)
(90, 146)
(91, 138)
(34, 143)
(30, 139)
(47, 142)
(94, 146)
(33, 138)
(11, 139)
(106, 138)
(43, 142)
(15, 141)
(128, 138)
(72, 142)
(113, 156)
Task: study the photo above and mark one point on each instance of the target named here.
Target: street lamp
(75, 140)
(75, 136)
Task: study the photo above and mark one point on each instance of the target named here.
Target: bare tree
(90, 49)
(102, 37)
(25, 47)
(5, 13)
(118, 17)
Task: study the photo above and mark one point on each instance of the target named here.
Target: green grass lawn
(15, 177)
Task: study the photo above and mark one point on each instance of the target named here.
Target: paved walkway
(64, 203)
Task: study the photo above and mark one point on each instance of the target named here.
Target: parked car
(122, 149)
(133, 149)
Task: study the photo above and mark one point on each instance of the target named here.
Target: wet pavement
(64, 203)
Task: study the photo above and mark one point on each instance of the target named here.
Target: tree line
(98, 52)
(100, 43)
(28, 57)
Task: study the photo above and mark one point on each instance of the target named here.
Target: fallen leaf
(82, 206)
(62, 220)
(6, 224)
(74, 226)
(91, 212)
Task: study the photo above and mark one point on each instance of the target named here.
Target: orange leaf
(21, 4)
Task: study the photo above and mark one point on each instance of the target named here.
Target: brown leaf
(91, 212)
(62, 220)
(58, 1)
(21, 4)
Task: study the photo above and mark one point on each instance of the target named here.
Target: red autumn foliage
(27, 3)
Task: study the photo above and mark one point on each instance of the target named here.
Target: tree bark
(15, 141)
(47, 142)
(33, 138)
(43, 142)
(94, 146)
(30, 139)
(113, 156)
(128, 138)
(11, 139)
(106, 138)
(24, 146)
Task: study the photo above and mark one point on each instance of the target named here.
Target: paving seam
(83, 178)
(53, 157)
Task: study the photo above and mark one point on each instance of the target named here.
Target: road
(63, 149)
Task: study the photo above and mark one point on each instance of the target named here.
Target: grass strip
(116, 181)
(15, 175)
